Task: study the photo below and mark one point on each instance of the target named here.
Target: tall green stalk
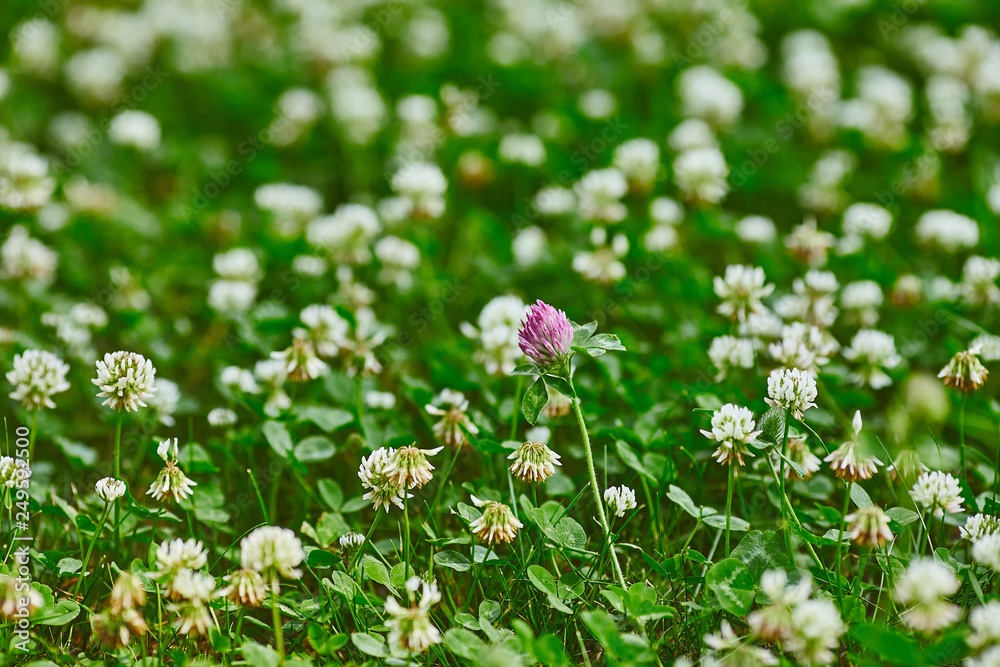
(118, 473)
(595, 488)
(961, 434)
(278, 633)
(90, 549)
(729, 503)
(840, 545)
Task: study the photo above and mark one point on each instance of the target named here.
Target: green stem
(118, 473)
(31, 437)
(361, 550)
(781, 477)
(260, 496)
(479, 572)
(444, 479)
(406, 544)
(593, 485)
(729, 503)
(278, 635)
(961, 435)
(840, 545)
(90, 549)
(513, 418)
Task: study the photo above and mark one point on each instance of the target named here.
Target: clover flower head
(733, 428)
(126, 380)
(110, 489)
(171, 482)
(792, 389)
(274, 553)
(924, 587)
(965, 372)
(246, 587)
(410, 628)
(937, 492)
(546, 336)
(172, 556)
(408, 466)
(37, 376)
(533, 462)
(620, 499)
(452, 407)
(869, 525)
(496, 523)
(979, 525)
(986, 550)
(382, 490)
(741, 290)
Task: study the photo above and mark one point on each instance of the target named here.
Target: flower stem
(278, 635)
(961, 435)
(479, 572)
(444, 479)
(406, 544)
(31, 438)
(840, 545)
(361, 550)
(90, 549)
(593, 485)
(729, 503)
(118, 472)
(781, 478)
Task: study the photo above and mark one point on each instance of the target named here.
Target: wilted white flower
(171, 482)
(533, 462)
(965, 372)
(741, 291)
(923, 587)
(874, 351)
(351, 540)
(109, 489)
(273, 552)
(410, 628)
(126, 379)
(408, 466)
(496, 523)
(16, 599)
(382, 490)
(791, 389)
(452, 406)
(869, 525)
(37, 376)
(246, 587)
(733, 428)
(620, 499)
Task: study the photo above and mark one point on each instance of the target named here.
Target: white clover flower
(229, 297)
(237, 264)
(424, 186)
(741, 291)
(809, 243)
(553, 200)
(869, 525)
(290, 205)
(882, 109)
(496, 523)
(135, 128)
(979, 525)
(937, 492)
(526, 149)
(639, 161)
(923, 587)
(193, 586)
(701, 174)
(301, 362)
(171, 483)
(347, 234)
(410, 628)
(25, 258)
(985, 624)
(620, 499)
(399, 258)
(272, 373)
(816, 630)
(870, 220)
(602, 264)
(528, 246)
(599, 193)
(965, 372)
(351, 540)
(163, 402)
(665, 211)
(533, 462)
(13, 471)
(325, 328)
(862, 299)
(947, 230)
(25, 185)
(802, 346)
(733, 428)
(173, 556)
(109, 489)
(192, 618)
(731, 649)
(221, 417)
(14, 600)
(729, 352)
(126, 379)
(273, 552)
(979, 278)
(791, 389)
(409, 468)
(242, 379)
(452, 406)
(986, 550)
(498, 322)
(246, 587)
(756, 229)
(37, 376)
(874, 351)
(707, 94)
(382, 490)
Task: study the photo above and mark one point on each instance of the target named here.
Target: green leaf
(893, 648)
(630, 459)
(860, 496)
(276, 434)
(582, 333)
(376, 571)
(331, 493)
(328, 419)
(63, 612)
(772, 425)
(604, 342)
(902, 516)
(762, 550)
(259, 656)
(534, 400)
(526, 369)
(542, 579)
(464, 644)
(313, 449)
(69, 565)
(399, 574)
(369, 645)
(732, 585)
(452, 560)
(719, 521)
(560, 384)
(77, 451)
